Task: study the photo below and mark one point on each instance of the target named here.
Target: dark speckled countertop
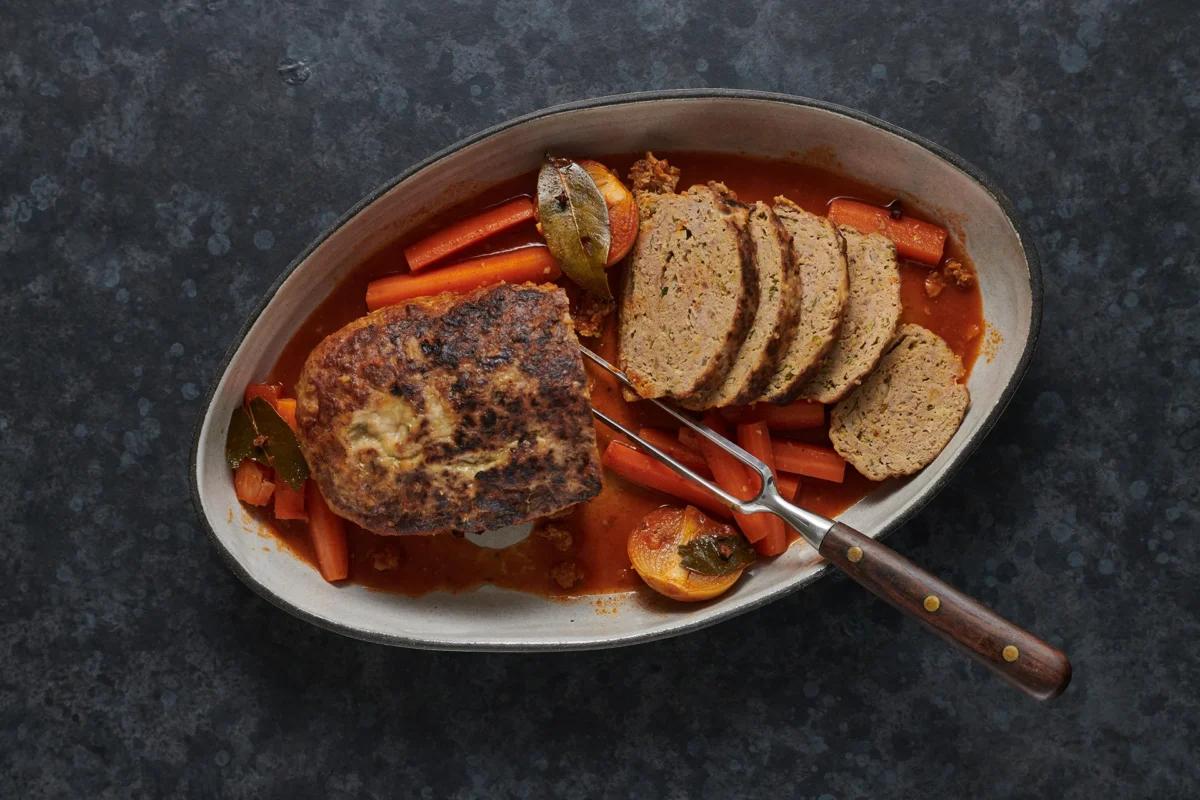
(160, 164)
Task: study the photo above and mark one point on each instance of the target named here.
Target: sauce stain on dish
(591, 558)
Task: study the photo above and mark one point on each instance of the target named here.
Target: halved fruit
(622, 210)
(681, 553)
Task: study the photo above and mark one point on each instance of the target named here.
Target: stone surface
(160, 163)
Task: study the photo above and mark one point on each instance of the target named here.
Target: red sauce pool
(416, 565)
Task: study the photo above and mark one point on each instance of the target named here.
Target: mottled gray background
(161, 163)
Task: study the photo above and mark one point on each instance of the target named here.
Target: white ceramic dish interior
(757, 124)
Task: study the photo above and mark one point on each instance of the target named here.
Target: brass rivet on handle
(932, 603)
(1010, 653)
(854, 554)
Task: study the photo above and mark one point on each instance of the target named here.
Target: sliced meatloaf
(690, 289)
(453, 412)
(779, 294)
(820, 255)
(869, 322)
(906, 411)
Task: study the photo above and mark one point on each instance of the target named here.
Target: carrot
(289, 502)
(532, 263)
(755, 439)
(328, 532)
(467, 232)
(811, 460)
(789, 486)
(637, 467)
(685, 455)
(799, 415)
(622, 210)
(251, 484)
(267, 391)
(286, 407)
(733, 476)
(921, 241)
(690, 439)
(623, 228)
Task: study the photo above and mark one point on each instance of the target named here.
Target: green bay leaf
(242, 441)
(716, 554)
(239, 442)
(283, 451)
(574, 220)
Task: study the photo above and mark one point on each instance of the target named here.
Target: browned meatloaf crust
(454, 412)
(906, 411)
(779, 296)
(691, 286)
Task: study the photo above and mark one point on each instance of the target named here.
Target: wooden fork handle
(1015, 654)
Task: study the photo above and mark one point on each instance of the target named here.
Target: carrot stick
(685, 455)
(788, 485)
(251, 485)
(755, 439)
(800, 415)
(795, 416)
(811, 460)
(913, 238)
(328, 532)
(467, 232)
(690, 439)
(289, 502)
(267, 391)
(513, 266)
(732, 476)
(637, 467)
(286, 408)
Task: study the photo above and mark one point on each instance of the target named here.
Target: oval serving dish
(751, 123)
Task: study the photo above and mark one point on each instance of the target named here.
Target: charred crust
(502, 371)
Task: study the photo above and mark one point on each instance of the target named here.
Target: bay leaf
(283, 451)
(716, 554)
(574, 220)
(239, 442)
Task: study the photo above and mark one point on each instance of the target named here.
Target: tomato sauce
(595, 550)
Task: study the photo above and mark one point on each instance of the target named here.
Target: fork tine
(670, 461)
(763, 471)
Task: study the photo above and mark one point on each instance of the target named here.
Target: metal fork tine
(763, 471)
(670, 460)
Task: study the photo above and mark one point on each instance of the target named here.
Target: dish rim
(696, 621)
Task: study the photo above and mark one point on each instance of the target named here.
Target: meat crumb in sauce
(584, 550)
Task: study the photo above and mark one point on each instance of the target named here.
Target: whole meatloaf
(691, 286)
(451, 413)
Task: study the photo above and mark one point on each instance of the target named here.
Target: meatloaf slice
(906, 411)
(779, 294)
(690, 291)
(820, 254)
(454, 412)
(870, 320)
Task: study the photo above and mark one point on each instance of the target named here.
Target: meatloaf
(690, 287)
(870, 320)
(906, 411)
(779, 295)
(451, 413)
(820, 254)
